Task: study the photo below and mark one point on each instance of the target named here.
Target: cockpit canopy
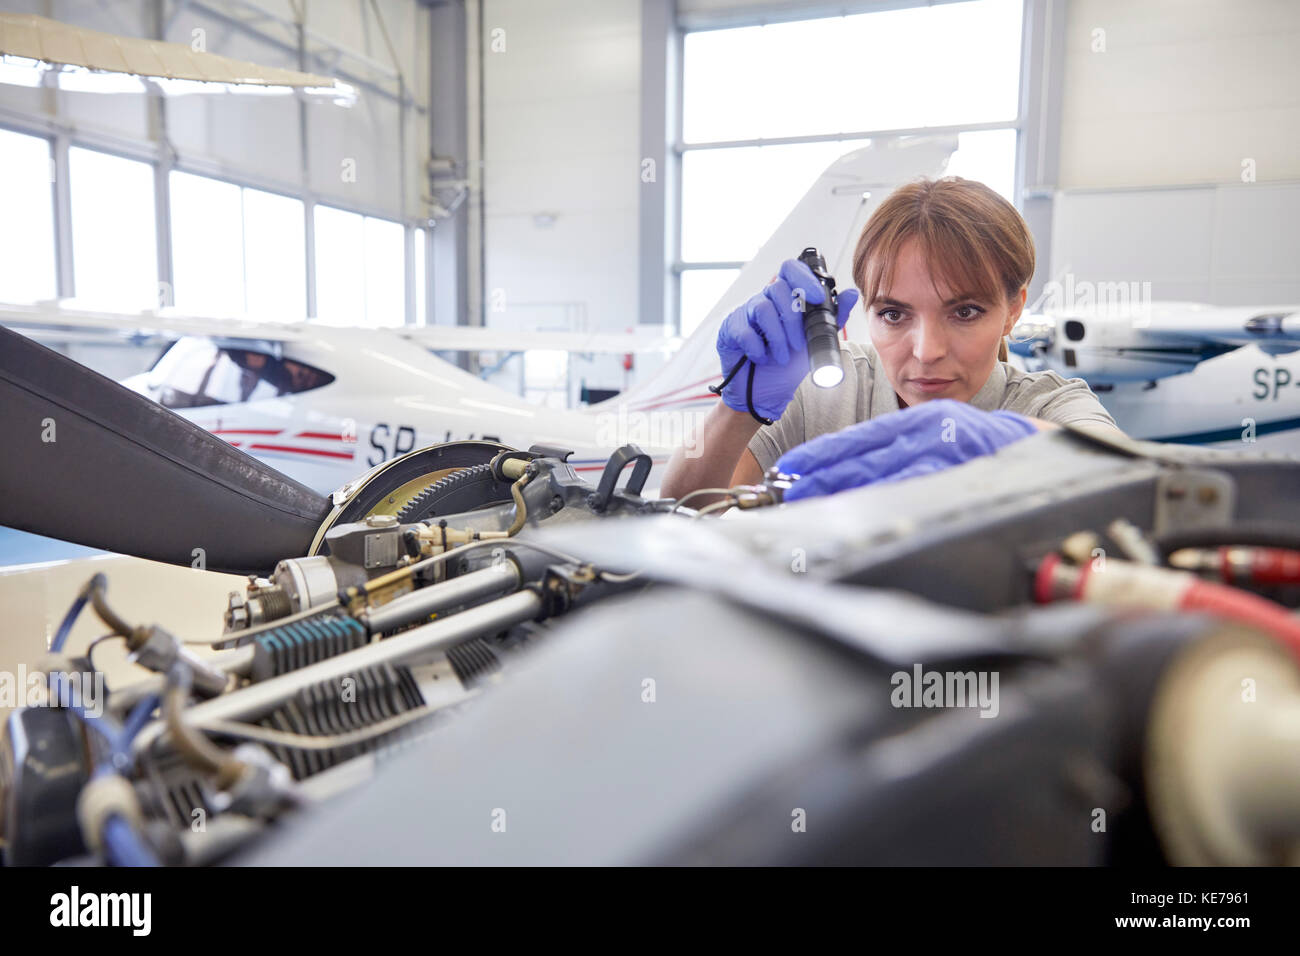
(194, 372)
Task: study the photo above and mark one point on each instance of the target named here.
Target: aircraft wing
(1145, 342)
(1275, 329)
(51, 322)
(465, 338)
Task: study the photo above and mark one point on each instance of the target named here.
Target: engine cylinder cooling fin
(173, 790)
(299, 643)
(473, 660)
(353, 702)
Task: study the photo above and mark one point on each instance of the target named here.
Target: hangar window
(236, 250)
(275, 255)
(766, 108)
(26, 175)
(701, 290)
(207, 245)
(360, 269)
(114, 237)
(196, 372)
(893, 69)
(420, 277)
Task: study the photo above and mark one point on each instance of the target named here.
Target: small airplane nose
(1032, 334)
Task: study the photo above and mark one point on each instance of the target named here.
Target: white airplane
(325, 404)
(1224, 376)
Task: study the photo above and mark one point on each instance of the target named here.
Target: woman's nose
(929, 341)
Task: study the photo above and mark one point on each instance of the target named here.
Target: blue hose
(103, 725)
(138, 717)
(61, 638)
(122, 847)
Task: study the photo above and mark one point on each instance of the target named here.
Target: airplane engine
(1042, 663)
(431, 556)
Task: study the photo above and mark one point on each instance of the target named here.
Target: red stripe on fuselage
(653, 398)
(675, 401)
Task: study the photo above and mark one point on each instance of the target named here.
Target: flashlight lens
(828, 376)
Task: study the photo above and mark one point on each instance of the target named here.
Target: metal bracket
(1194, 498)
(626, 455)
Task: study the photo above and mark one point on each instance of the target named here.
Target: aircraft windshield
(197, 372)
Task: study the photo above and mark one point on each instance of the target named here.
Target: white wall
(1184, 91)
(561, 124)
(1180, 148)
(1231, 244)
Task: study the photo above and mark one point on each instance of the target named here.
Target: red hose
(1168, 590)
(1229, 602)
(1275, 566)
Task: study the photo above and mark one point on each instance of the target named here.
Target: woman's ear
(1014, 308)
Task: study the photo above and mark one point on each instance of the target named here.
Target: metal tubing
(454, 592)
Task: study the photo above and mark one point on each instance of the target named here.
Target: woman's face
(936, 345)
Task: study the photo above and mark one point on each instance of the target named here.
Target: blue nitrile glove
(769, 330)
(911, 441)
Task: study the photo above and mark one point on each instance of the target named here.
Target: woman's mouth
(931, 384)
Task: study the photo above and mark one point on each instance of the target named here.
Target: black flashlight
(821, 327)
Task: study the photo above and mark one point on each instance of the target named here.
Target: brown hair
(978, 241)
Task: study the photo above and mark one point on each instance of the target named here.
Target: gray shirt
(864, 394)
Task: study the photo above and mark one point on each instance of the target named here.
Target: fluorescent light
(75, 79)
(20, 71)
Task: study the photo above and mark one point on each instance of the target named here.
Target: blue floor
(20, 547)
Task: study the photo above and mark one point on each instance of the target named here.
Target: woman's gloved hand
(911, 441)
(769, 330)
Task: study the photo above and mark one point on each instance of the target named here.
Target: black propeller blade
(87, 460)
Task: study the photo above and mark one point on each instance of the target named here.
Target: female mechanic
(945, 266)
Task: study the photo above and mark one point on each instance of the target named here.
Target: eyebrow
(966, 297)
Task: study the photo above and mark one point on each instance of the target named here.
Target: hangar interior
(504, 181)
(398, 242)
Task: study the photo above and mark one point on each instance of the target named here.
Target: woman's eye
(969, 312)
(891, 316)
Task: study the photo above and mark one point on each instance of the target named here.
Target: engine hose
(197, 750)
(121, 845)
(96, 590)
(1241, 565)
(521, 509)
(1259, 534)
(1124, 584)
(135, 721)
(1226, 601)
(65, 628)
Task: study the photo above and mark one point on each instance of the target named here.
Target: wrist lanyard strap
(749, 390)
